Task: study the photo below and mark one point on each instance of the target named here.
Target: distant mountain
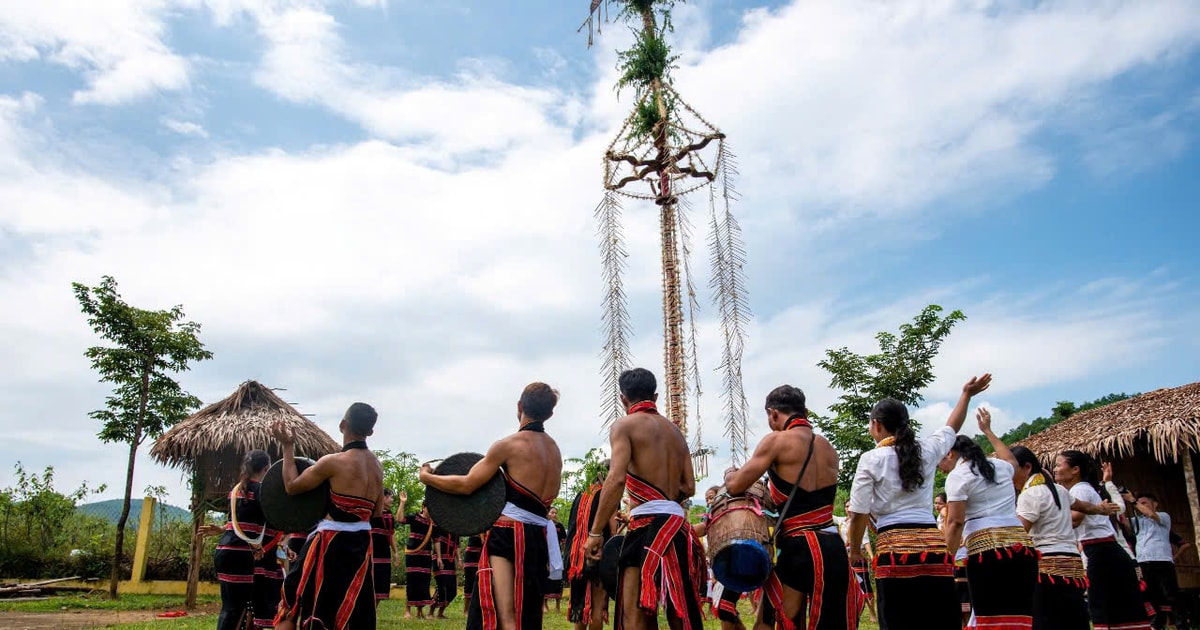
(111, 511)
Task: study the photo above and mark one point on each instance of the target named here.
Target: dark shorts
(502, 542)
(822, 572)
(688, 554)
(333, 568)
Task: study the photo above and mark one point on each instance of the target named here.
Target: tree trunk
(194, 552)
(133, 447)
(116, 567)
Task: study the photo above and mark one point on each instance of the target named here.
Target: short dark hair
(387, 492)
(1147, 495)
(637, 385)
(538, 400)
(940, 495)
(787, 399)
(360, 419)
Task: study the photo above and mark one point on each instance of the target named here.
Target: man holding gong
(520, 551)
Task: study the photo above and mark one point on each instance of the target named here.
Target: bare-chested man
(812, 582)
(331, 585)
(659, 560)
(523, 543)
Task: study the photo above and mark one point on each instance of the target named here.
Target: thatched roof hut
(1165, 422)
(211, 443)
(1153, 443)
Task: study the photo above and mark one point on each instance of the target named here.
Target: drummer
(332, 584)
(725, 607)
(651, 458)
(812, 578)
(508, 585)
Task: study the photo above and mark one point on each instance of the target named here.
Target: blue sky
(390, 201)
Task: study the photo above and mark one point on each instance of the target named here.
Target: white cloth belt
(660, 506)
(522, 515)
(987, 522)
(327, 525)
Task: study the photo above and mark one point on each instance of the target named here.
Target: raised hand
(403, 497)
(977, 384)
(984, 418)
(1106, 472)
(282, 432)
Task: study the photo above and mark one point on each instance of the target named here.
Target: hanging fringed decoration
(593, 16)
(728, 283)
(664, 150)
(615, 318)
(700, 451)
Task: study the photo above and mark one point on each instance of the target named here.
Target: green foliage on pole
(146, 348)
(901, 368)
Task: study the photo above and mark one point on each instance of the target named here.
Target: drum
(292, 513)
(469, 514)
(609, 560)
(738, 535)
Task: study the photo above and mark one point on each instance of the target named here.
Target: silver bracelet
(591, 535)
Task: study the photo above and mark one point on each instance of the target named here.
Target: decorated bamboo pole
(665, 146)
(674, 362)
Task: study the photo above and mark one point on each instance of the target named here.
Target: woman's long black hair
(981, 464)
(893, 415)
(256, 461)
(1025, 457)
(1089, 471)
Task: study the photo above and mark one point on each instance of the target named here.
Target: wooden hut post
(193, 576)
(1189, 476)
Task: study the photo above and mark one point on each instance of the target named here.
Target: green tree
(401, 474)
(583, 472)
(147, 348)
(901, 368)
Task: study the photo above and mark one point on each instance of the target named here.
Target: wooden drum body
(738, 535)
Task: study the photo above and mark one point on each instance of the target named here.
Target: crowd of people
(1008, 545)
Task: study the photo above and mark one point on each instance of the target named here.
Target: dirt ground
(75, 619)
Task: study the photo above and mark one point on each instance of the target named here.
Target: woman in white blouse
(1002, 565)
(1114, 591)
(914, 576)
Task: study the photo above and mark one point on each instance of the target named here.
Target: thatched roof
(211, 443)
(1164, 422)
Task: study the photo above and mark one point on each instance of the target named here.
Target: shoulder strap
(796, 486)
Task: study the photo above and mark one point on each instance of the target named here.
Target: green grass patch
(391, 617)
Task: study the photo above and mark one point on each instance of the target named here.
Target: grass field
(106, 614)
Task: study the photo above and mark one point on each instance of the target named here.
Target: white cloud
(878, 108)
(435, 287)
(185, 128)
(117, 46)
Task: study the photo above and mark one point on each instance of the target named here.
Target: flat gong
(465, 514)
(294, 513)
